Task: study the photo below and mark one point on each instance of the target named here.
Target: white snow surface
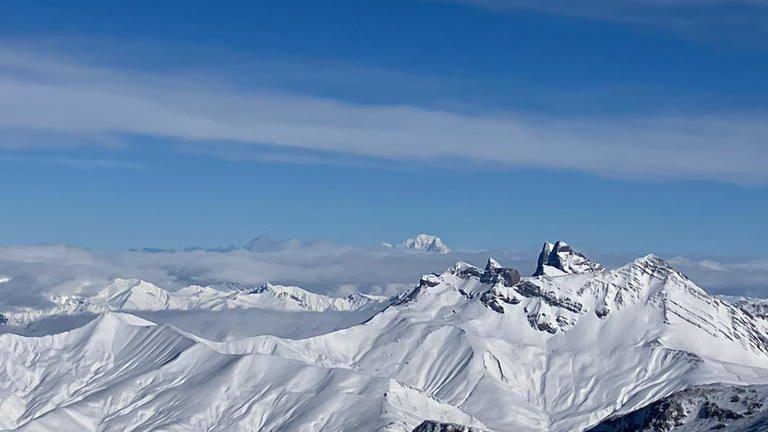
(135, 295)
(422, 242)
(551, 353)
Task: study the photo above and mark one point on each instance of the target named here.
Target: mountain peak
(492, 265)
(559, 258)
(422, 242)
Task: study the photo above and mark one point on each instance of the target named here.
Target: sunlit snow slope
(134, 295)
(478, 347)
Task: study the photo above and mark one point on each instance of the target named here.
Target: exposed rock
(471, 272)
(495, 273)
(561, 259)
(708, 407)
(489, 300)
(529, 289)
(426, 281)
(539, 322)
(434, 426)
(757, 308)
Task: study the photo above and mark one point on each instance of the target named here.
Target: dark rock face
(494, 273)
(536, 321)
(546, 251)
(556, 259)
(759, 310)
(434, 426)
(708, 407)
(3, 319)
(562, 257)
(510, 276)
(529, 289)
(471, 272)
(489, 299)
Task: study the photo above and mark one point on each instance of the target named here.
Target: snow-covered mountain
(469, 349)
(422, 242)
(135, 295)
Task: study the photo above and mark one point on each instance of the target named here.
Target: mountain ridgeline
(575, 347)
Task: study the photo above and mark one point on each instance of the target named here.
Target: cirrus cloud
(729, 21)
(41, 94)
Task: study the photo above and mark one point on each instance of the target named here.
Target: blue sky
(619, 126)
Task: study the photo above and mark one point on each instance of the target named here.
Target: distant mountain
(468, 349)
(265, 244)
(422, 242)
(135, 295)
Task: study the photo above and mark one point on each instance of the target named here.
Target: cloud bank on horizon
(29, 273)
(44, 98)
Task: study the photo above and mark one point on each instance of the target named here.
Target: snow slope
(123, 373)
(134, 295)
(477, 347)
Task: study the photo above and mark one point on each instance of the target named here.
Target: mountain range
(574, 347)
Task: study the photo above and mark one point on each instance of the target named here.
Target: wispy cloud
(26, 273)
(72, 162)
(729, 277)
(317, 266)
(43, 94)
(742, 21)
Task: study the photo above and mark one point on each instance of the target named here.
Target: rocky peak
(652, 263)
(492, 265)
(559, 258)
(495, 272)
(492, 274)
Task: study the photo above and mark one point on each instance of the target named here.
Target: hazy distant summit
(422, 242)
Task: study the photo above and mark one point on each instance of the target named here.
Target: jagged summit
(647, 289)
(492, 265)
(558, 259)
(422, 242)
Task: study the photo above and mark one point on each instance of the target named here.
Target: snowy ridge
(756, 307)
(134, 295)
(564, 355)
(122, 373)
(468, 349)
(422, 242)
